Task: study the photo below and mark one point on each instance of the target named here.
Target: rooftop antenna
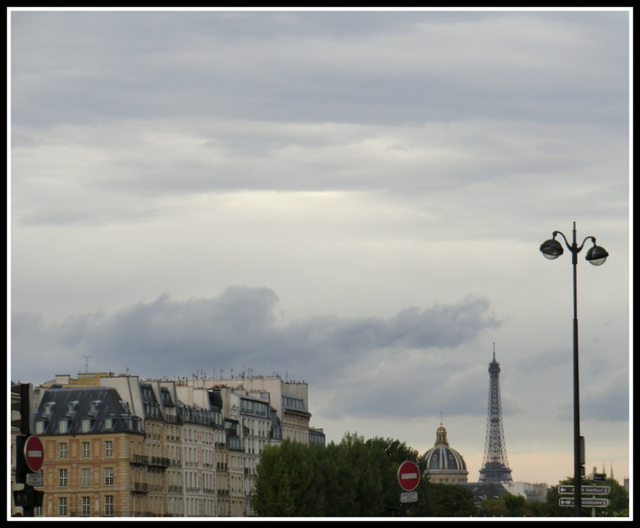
(86, 363)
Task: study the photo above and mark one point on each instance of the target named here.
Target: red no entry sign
(34, 453)
(408, 475)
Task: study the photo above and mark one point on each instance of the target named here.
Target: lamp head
(597, 255)
(552, 249)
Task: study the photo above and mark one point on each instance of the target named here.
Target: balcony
(139, 459)
(140, 487)
(159, 461)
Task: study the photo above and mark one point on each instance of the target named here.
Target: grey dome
(444, 458)
(441, 458)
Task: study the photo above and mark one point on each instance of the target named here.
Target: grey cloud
(41, 350)
(607, 400)
(604, 386)
(242, 84)
(362, 67)
(241, 326)
(418, 386)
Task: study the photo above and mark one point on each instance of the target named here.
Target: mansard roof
(196, 414)
(81, 410)
(291, 403)
(152, 408)
(215, 400)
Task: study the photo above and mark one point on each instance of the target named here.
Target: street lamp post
(596, 255)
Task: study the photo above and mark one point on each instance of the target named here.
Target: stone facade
(118, 446)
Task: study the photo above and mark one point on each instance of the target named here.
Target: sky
(350, 198)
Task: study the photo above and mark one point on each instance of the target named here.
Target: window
(62, 478)
(63, 426)
(86, 506)
(86, 449)
(62, 506)
(86, 425)
(108, 448)
(62, 450)
(86, 477)
(108, 476)
(108, 505)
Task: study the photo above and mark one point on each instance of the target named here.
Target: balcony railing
(159, 461)
(139, 459)
(140, 487)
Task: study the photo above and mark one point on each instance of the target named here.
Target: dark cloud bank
(240, 327)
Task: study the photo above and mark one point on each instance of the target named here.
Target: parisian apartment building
(121, 446)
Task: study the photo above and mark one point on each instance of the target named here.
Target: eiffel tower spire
(495, 467)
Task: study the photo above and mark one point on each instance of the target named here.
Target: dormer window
(93, 406)
(71, 409)
(63, 426)
(86, 425)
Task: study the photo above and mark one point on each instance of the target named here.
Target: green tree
(618, 500)
(390, 454)
(335, 481)
(516, 505)
(492, 508)
(447, 500)
(355, 478)
(273, 496)
(352, 478)
(509, 505)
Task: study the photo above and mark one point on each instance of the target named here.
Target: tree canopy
(355, 478)
(359, 478)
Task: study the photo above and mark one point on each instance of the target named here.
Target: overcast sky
(355, 199)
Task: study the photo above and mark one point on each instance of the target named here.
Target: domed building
(444, 465)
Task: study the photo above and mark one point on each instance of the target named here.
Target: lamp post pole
(552, 249)
(577, 451)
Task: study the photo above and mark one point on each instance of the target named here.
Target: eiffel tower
(495, 467)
